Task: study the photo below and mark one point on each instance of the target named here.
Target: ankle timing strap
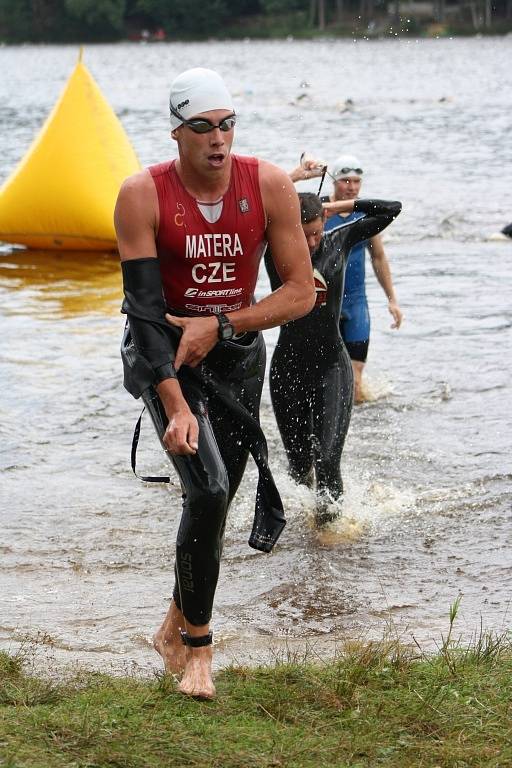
(196, 642)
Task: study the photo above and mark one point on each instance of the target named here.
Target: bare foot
(197, 677)
(324, 514)
(167, 641)
(360, 395)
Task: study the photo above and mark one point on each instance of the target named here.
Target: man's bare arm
(296, 296)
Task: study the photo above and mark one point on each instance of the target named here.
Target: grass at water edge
(375, 704)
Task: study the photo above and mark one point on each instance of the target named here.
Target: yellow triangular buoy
(62, 194)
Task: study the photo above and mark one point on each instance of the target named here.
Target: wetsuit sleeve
(144, 305)
(275, 280)
(379, 213)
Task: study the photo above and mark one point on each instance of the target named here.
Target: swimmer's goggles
(344, 172)
(341, 175)
(201, 125)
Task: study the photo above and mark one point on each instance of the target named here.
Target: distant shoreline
(282, 31)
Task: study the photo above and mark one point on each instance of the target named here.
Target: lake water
(87, 550)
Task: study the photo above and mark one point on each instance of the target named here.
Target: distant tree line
(70, 20)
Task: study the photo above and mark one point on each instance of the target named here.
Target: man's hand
(182, 433)
(395, 310)
(200, 334)
(310, 169)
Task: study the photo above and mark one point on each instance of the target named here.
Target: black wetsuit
(211, 477)
(311, 380)
(224, 394)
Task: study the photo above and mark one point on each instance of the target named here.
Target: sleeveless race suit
(355, 314)
(209, 257)
(311, 374)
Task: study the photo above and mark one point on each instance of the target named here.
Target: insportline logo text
(213, 294)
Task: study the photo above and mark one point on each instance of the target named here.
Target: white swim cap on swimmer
(346, 166)
(195, 91)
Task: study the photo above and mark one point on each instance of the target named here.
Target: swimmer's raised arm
(378, 215)
(309, 170)
(331, 208)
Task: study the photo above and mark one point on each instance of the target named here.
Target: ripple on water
(88, 552)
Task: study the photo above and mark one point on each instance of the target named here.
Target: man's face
(314, 231)
(206, 152)
(347, 188)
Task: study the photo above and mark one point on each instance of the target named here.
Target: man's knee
(211, 494)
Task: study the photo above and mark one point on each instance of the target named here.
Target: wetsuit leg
(247, 392)
(332, 407)
(291, 401)
(355, 326)
(241, 364)
(205, 487)
(234, 454)
(211, 477)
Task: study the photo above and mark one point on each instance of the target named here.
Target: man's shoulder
(160, 169)
(273, 179)
(137, 190)
(139, 180)
(245, 160)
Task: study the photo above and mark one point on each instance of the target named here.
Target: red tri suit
(209, 253)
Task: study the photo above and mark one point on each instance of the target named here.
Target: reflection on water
(87, 550)
(60, 284)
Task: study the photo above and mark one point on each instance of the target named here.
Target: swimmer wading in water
(311, 380)
(191, 233)
(355, 314)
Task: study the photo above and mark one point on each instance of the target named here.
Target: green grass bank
(376, 704)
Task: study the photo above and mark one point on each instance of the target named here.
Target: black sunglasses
(201, 125)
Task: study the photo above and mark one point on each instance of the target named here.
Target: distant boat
(62, 194)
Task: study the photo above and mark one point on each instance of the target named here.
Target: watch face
(226, 330)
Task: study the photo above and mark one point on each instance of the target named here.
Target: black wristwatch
(226, 330)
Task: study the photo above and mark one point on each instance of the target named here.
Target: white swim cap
(198, 90)
(346, 166)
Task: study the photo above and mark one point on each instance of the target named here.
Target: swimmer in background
(311, 380)
(355, 316)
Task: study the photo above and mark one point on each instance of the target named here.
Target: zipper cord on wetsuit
(135, 442)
